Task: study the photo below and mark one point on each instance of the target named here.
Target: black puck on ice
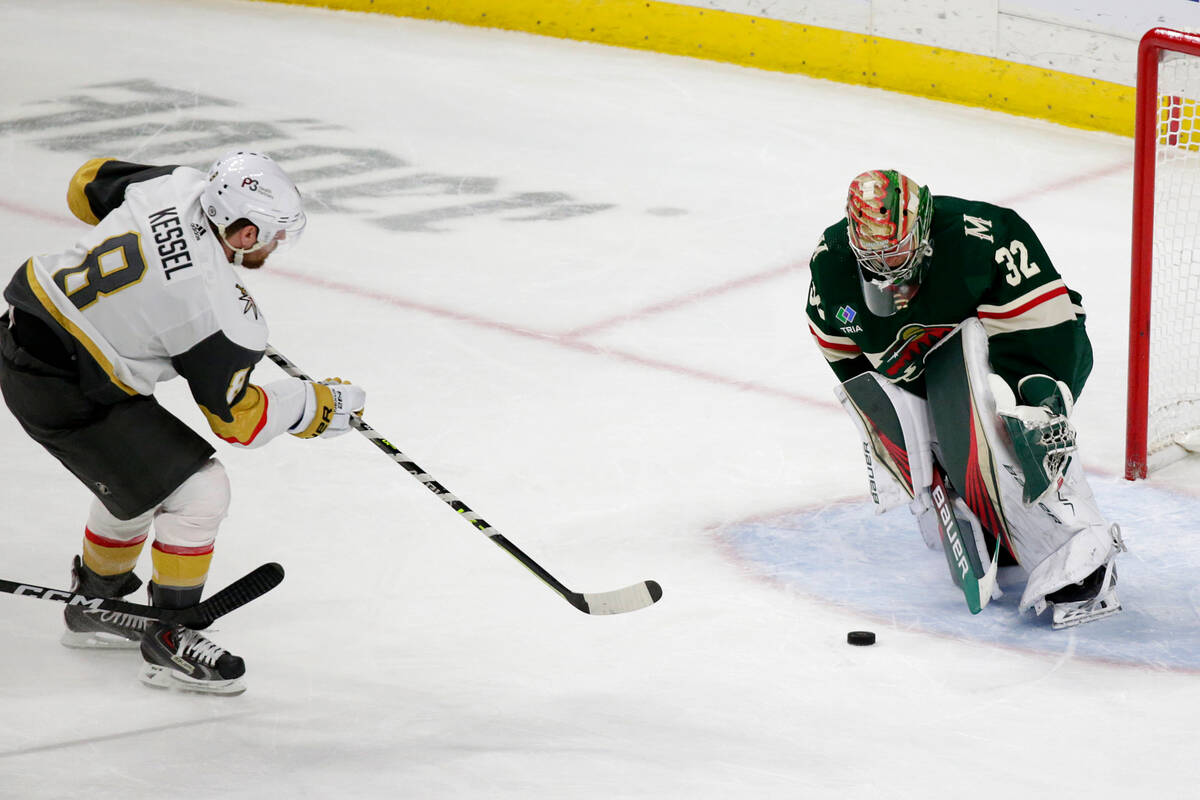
(860, 638)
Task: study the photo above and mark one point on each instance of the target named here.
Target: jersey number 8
(113, 265)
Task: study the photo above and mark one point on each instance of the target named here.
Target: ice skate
(91, 628)
(1093, 598)
(180, 658)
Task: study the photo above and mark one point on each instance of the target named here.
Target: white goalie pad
(1060, 538)
(1081, 555)
(898, 467)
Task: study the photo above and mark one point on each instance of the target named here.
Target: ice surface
(572, 279)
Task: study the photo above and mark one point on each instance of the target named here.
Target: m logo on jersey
(904, 360)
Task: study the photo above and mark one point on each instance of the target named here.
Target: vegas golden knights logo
(904, 360)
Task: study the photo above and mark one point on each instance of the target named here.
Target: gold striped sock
(105, 556)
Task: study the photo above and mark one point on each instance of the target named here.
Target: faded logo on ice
(386, 190)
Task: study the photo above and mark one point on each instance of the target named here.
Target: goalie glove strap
(1051, 394)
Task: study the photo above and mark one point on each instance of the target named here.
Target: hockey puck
(860, 638)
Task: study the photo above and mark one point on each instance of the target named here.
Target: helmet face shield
(885, 296)
(284, 233)
(888, 222)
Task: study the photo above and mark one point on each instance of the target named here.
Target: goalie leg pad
(895, 429)
(982, 465)
(970, 441)
(1040, 529)
(893, 426)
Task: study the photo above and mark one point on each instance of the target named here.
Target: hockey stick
(235, 595)
(618, 601)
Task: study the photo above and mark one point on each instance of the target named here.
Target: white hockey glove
(327, 408)
(1042, 436)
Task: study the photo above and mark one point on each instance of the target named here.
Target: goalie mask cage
(1163, 409)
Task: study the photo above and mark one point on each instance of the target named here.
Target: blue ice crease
(845, 554)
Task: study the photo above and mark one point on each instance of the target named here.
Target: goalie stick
(618, 601)
(246, 588)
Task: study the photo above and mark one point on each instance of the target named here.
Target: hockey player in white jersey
(149, 294)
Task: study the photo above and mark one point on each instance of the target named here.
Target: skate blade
(1073, 618)
(97, 640)
(164, 678)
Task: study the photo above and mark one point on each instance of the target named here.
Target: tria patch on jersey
(904, 360)
(846, 315)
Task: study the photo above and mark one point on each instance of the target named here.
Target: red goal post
(1163, 408)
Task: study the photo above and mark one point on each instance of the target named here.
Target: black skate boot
(96, 629)
(180, 658)
(177, 657)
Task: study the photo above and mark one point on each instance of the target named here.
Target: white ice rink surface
(572, 279)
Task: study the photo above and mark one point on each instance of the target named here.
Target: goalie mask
(889, 216)
(245, 185)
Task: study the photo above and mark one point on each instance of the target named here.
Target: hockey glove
(1042, 436)
(327, 408)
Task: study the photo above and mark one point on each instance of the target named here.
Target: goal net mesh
(1174, 369)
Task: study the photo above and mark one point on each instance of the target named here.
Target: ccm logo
(59, 596)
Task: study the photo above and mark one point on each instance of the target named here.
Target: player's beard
(257, 258)
(254, 260)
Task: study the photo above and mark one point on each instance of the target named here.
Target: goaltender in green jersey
(960, 352)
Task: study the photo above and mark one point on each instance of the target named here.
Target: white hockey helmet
(246, 185)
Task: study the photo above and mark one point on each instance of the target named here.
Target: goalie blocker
(951, 458)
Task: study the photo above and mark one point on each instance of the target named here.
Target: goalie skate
(1093, 598)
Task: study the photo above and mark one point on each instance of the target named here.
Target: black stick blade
(237, 594)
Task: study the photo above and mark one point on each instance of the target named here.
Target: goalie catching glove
(328, 405)
(1042, 436)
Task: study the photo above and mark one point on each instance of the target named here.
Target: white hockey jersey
(149, 294)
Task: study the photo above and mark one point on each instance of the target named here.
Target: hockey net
(1163, 409)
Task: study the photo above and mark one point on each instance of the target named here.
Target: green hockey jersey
(986, 262)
